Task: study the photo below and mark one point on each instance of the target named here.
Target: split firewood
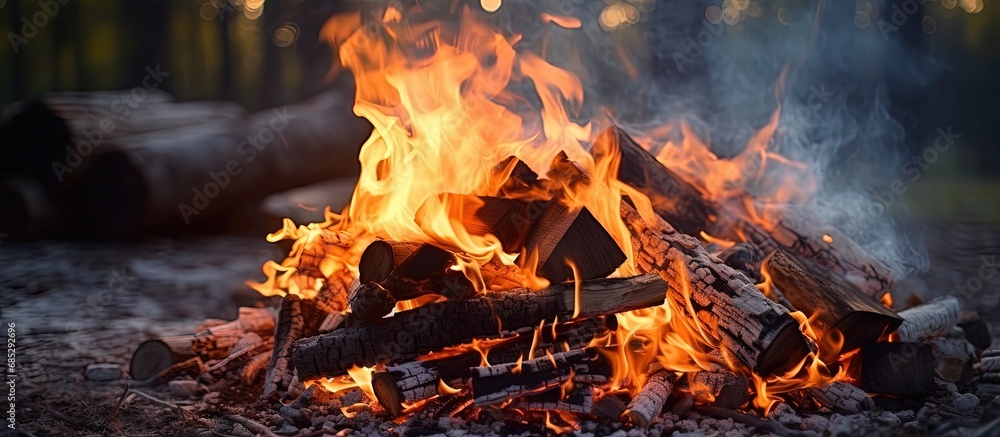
(513, 178)
(650, 400)
(253, 368)
(332, 321)
(842, 316)
(499, 383)
(507, 219)
(905, 369)
(157, 355)
(989, 366)
(446, 405)
(450, 323)
(297, 318)
(416, 380)
(609, 407)
(192, 367)
(381, 257)
(332, 298)
(216, 341)
(562, 235)
(749, 326)
(720, 387)
(683, 206)
(428, 269)
(234, 363)
(319, 246)
(843, 398)
(924, 322)
(579, 399)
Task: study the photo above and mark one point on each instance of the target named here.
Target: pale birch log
(651, 398)
(924, 322)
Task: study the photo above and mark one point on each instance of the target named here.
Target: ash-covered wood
(720, 387)
(498, 383)
(296, 318)
(651, 398)
(381, 257)
(683, 206)
(924, 322)
(579, 399)
(843, 398)
(451, 323)
(905, 369)
(953, 358)
(749, 326)
(842, 316)
(416, 380)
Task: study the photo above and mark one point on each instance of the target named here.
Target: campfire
(503, 260)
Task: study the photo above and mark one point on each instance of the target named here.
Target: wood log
(320, 246)
(977, 332)
(416, 380)
(507, 219)
(683, 206)
(842, 316)
(609, 407)
(648, 403)
(297, 318)
(370, 302)
(448, 405)
(438, 325)
(746, 258)
(750, 327)
(234, 363)
(953, 359)
(156, 355)
(192, 368)
(381, 257)
(216, 341)
(563, 235)
(427, 270)
(843, 398)
(495, 384)
(514, 179)
(194, 178)
(719, 387)
(904, 369)
(924, 322)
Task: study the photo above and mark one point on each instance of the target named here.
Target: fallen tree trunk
(684, 207)
(924, 322)
(749, 327)
(438, 325)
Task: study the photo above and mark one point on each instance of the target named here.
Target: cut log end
(388, 393)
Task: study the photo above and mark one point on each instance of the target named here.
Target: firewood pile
(794, 319)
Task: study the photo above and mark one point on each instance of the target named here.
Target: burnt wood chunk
(646, 405)
(924, 322)
(842, 316)
(499, 383)
(978, 333)
(719, 387)
(563, 235)
(435, 326)
(518, 179)
(297, 318)
(381, 257)
(748, 326)
(904, 369)
(509, 220)
(427, 270)
(370, 302)
(746, 258)
(843, 398)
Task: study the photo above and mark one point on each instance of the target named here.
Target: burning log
(897, 369)
(518, 178)
(843, 398)
(297, 318)
(496, 384)
(651, 399)
(924, 322)
(842, 316)
(565, 234)
(442, 324)
(746, 258)
(749, 326)
(370, 302)
(416, 380)
(381, 257)
(609, 407)
(216, 341)
(685, 208)
(719, 387)
(318, 247)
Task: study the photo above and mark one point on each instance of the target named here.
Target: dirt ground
(77, 303)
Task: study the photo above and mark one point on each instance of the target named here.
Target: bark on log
(163, 181)
(750, 327)
(417, 380)
(684, 207)
(297, 318)
(370, 302)
(924, 322)
(842, 316)
(843, 398)
(451, 323)
(646, 405)
(746, 258)
(496, 384)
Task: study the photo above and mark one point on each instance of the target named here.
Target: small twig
(160, 402)
(118, 406)
(252, 425)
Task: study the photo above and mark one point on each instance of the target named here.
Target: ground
(77, 303)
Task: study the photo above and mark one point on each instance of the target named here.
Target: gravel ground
(77, 303)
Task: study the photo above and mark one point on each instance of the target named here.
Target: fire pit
(510, 263)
